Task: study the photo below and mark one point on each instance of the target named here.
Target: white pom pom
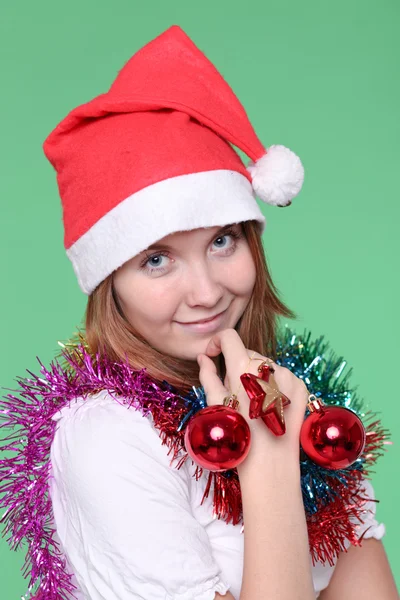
(277, 176)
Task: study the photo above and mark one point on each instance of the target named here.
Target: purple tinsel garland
(29, 508)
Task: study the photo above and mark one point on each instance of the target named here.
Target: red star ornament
(266, 400)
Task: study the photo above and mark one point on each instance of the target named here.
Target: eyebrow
(167, 247)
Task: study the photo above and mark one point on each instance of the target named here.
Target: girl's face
(187, 276)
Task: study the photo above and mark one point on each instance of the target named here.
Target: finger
(230, 344)
(213, 387)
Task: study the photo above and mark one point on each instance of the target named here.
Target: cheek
(148, 304)
(242, 275)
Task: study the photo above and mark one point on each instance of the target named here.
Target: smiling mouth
(202, 321)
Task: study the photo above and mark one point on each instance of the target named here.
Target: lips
(203, 320)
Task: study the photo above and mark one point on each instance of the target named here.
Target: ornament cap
(315, 404)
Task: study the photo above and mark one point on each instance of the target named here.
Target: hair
(110, 334)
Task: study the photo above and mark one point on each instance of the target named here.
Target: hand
(237, 359)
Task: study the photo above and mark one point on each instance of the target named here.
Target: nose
(203, 287)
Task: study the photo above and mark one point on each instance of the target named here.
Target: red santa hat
(154, 155)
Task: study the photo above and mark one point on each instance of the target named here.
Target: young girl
(164, 233)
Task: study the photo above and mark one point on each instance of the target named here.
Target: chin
(192, 350)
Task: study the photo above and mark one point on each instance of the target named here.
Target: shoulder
(96, 406)
(103, 413)
(101, 433)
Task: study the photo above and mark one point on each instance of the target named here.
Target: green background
(319, 77)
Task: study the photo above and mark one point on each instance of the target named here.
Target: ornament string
(248, 364)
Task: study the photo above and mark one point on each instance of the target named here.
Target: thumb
(213, 387)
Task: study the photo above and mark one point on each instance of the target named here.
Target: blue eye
(233, 234)
(152, 257)
(221, 237)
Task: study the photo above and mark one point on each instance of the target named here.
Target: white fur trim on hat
(277, 176)
(181, 203)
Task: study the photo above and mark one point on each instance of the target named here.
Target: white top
(131, 525)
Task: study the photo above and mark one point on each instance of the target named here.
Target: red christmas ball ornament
(217, 438)
(332, 436)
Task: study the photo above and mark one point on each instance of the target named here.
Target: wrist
(271, 460)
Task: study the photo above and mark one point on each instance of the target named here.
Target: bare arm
(362, 572)
(276, 549)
